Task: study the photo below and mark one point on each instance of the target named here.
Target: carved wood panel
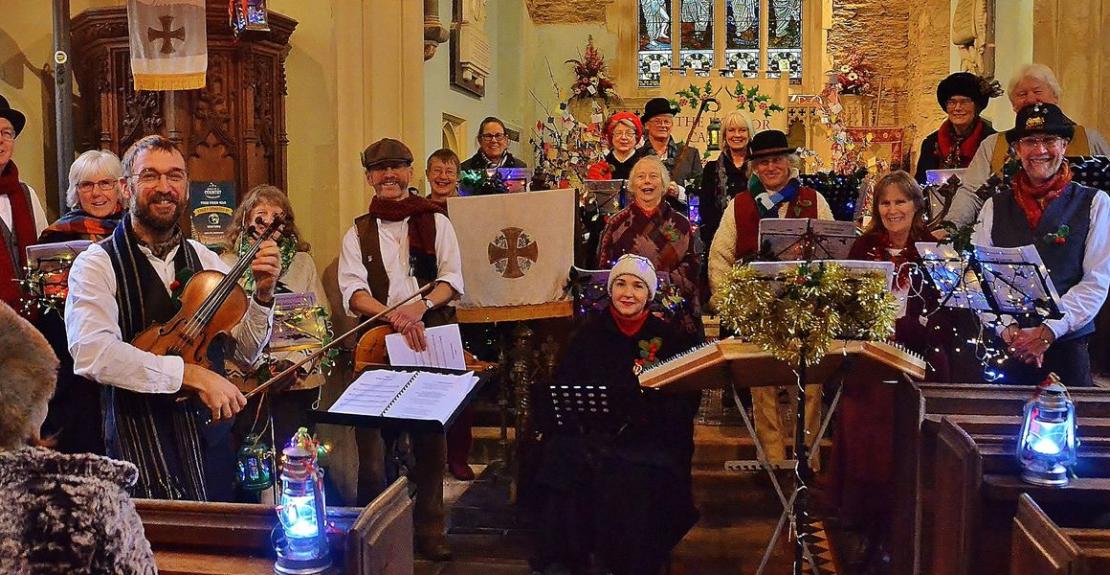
(232, 129)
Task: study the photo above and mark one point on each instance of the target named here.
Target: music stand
(1002, 281)
(805, 239)
(583, 407)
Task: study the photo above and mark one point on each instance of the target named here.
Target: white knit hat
(638, 266)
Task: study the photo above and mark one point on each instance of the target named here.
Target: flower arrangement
(592, 77)
(855, 75)
(816, 304)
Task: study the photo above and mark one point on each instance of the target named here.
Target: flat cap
(385, 150)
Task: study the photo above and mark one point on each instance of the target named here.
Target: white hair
(1038, 72)
(654, 161)
(88, 165)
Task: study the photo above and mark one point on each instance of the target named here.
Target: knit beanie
(638, 266)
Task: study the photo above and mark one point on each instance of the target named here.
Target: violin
(371, 352)
(212, 303)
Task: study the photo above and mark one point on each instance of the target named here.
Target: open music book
(407, 395)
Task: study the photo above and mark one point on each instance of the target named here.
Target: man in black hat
(1032, 84)
(1069, 224)
(777, 193)
(404, 242)
(963, 96)
(22, 218)
(658, 122)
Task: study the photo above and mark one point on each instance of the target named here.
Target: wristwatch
(428, 303)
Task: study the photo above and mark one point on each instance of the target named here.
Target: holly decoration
(754, 100)
(1060, 236)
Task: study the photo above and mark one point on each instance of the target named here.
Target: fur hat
(28, 372)
(966, 84)
(638, 266)
(1040, 119)
(658, 107)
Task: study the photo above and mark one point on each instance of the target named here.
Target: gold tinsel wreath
(811, 304)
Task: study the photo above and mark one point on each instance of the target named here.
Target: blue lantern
(1046, 447)
(302, 515)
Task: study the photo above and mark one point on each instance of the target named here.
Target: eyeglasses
(958, 101)
(7, 135)
(492, 137)
(104, 185)
(1034, 142)
(624, 134)
(150, 178)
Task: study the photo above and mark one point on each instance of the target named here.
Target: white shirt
(966, 204)
(36, 210)
(96, 342)
(394, 240)
(1081, 303)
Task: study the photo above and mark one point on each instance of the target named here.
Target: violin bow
(269, 382)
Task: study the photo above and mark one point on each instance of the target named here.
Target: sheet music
(371, 393)
(406, 395)
(444, 349)
(432, 396)
(784, 237)
(1017, 277)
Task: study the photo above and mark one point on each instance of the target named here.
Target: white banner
(517, 249)
(169, 44)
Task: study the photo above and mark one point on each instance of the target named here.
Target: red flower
(175, 284)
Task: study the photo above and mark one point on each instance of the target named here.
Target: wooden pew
(976, 491)
(983, 410)
(1040, 547)
(191, 538)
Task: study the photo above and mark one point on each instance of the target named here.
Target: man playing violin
(128, 282)
(404, 242)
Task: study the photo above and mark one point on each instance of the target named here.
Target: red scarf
(952, 151)
(421, 213)
(629, 326)
(79, 225)
(23, 224)
(1032, 199)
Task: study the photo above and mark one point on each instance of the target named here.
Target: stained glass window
(784, 50)
(655, 40)
(696, 50)
(742, 44)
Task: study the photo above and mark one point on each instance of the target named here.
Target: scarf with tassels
(421, 213)
(79, 225)
(1032, 198)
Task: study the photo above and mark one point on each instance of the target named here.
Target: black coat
(710, 207)
(479, 162)
(618, 486)
(928, 160)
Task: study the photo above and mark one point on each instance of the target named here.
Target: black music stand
(804, 239)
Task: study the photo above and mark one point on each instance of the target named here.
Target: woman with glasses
(963, 97)
(289, 406)
(623, 132)
(493, 148)
(96, 199)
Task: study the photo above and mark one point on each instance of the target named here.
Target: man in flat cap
(402, 243)
(21, 214)
(1069, 224)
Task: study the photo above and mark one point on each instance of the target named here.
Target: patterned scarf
(1032, 198)
(79, 225)
(23, 235)
(954, 150)
(768, 202)
(421, 213)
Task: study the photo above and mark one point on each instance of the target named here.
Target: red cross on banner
(169, 44)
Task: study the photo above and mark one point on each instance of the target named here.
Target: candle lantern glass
(1047, 444)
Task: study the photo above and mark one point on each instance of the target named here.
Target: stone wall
(879, 30)
(928, 41)
(567, 11)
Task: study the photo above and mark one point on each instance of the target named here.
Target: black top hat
(769, 143)
(386, 150)
(14, 116)
(1040, 119)
(658, 107)
(965, 84)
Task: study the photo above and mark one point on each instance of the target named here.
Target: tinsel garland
(816, 304)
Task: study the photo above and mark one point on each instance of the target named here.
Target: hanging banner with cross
(517, 249)
(169, 44)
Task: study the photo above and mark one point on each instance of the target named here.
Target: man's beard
(150, 221)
